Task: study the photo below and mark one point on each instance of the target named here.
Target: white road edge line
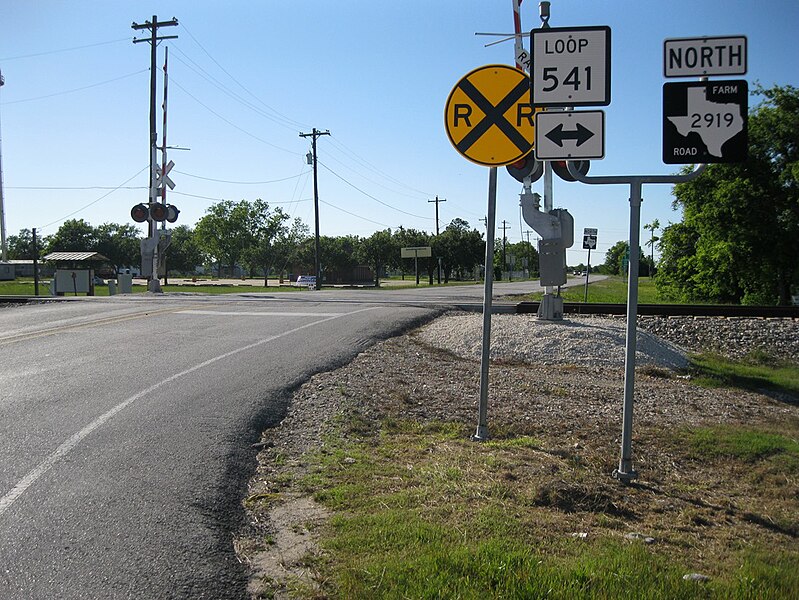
(230, 313)
(21, 487)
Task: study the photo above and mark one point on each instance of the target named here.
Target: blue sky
(247, 77)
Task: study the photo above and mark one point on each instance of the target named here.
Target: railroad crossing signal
(487, 117)
(163, 178)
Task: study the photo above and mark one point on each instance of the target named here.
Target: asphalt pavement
(126, 432)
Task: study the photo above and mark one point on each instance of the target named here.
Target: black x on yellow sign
(488, 116)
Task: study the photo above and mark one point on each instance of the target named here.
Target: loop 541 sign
(488, 117)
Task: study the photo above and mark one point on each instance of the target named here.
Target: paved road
(126, 427)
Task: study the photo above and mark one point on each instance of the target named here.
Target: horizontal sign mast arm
(626, 179)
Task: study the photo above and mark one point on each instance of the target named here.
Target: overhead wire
(368, 195)
(93, 202)
(94, 45)
(85, 87)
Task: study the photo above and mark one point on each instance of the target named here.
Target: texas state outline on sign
(716, 132)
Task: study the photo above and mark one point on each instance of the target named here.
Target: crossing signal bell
(155, 211)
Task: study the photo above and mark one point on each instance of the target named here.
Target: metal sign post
(625, 471)
(482, 423)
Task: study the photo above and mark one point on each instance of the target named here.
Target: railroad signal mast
(155, 243)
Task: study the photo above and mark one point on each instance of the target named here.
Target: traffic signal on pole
(158, 211)
(526, 167)
(139, 213)
(155, 211)
(172, 213)
(562, 170)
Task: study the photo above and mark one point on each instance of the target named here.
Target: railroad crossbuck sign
(488, 116)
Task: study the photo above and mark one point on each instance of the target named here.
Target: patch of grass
(612, 290)
(757, 372)
(421, 512)
(748, 445)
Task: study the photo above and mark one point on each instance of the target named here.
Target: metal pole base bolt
(624, 476)
(481, 435)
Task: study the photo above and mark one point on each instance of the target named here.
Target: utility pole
(437, 200)
(315, 133)
(153, 39)
(529, 254)
(35, 264)
(3, 243)
(504, 228)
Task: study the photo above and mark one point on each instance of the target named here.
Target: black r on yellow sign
(488, 116)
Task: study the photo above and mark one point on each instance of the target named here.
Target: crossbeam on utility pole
(315, 133)
(154, 284)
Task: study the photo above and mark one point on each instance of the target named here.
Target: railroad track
(671, 310)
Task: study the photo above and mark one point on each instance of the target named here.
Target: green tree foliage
(377, 251)
(614, 258)
(74, 235)
(20, 247)
(229, 231)
(183, 254)
(739, 237)
(461, 249)
(119, 243)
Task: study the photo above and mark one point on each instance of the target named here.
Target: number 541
(573, 79)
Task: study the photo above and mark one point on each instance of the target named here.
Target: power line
(7, 58)
(242, 182)
(86, 87)
(244, 131)
(236, 81)
(119, 187)
(372, 197)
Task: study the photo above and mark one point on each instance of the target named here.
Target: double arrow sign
(570, 135)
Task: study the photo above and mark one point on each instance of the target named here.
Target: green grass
(612, 290)
(421, 512)
(25, 287)
(757, 372)
(745, 444)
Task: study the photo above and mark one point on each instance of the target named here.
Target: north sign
(488, 117)
(706, 56)
(571, 66)
(571, 135)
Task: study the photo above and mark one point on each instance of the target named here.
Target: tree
(614, 258)
(183, 254)
(377, 251)
(460, 248)
(265, 227)
(652, 227)
(20, 247)
(74, 235)
(743, 219)
(228, 232)
(119, 243)
(287, 244)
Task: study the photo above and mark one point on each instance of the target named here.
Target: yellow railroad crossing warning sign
(488, 116)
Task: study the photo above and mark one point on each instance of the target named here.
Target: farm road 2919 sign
(705, 122)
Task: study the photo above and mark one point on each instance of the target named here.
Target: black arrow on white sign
(581, 135)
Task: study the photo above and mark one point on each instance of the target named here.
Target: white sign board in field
(571, 66)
